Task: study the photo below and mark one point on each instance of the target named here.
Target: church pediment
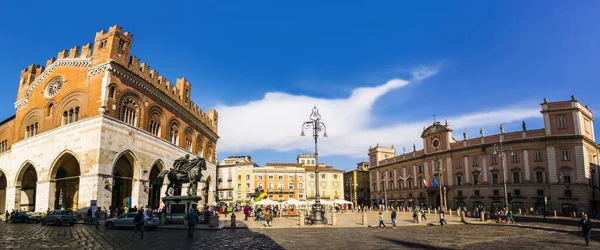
(436, 128)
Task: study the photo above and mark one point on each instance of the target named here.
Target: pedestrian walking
(98, 214)
(442, 219)
(89, 215)
(423, 217)
(192, 219)
(381, 220)
(138, 222)
(586, 228)
(393, 218)
(246, 212)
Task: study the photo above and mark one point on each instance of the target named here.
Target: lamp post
(317, 126)
(502, 148)
(439, 169)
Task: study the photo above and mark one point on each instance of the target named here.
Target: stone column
(89, 187)
(11, 198)
(44, 190)
(301, 216)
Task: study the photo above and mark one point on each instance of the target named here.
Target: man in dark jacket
(138, 221)
(586, 228)
(192, 219)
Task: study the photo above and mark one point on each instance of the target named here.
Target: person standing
(98, 214)
(393, 218)
(246, 212)
(138, 221)
(192, 219)
(89, 215)
(586, 227)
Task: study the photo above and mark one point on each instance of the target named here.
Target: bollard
(301, 222)
(482, 216)
(364, 219)
(520, 211)
(554, 213)
(333, 219)
(233, 220)
(462, 216)
(419, 218)
(435, 211)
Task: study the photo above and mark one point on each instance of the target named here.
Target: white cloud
(275, 122)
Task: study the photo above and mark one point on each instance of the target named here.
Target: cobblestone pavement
(527, 235)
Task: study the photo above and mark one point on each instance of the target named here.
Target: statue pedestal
(178, 206)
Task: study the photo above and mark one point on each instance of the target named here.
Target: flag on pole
(435, 182)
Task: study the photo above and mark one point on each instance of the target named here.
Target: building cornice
(65, 62)
(118, 70)
(491, 144)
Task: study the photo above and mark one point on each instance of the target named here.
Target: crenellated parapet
(179, 92)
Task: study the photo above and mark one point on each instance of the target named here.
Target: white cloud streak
(274, 122)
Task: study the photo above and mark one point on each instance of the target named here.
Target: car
(59, 217)
(25, 217)
(126, 221)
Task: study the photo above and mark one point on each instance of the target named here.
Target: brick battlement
(152, 76)
(114, 45)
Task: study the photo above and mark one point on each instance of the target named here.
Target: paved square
(491, 236)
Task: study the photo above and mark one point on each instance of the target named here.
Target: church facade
(97, 124)
(556, 166)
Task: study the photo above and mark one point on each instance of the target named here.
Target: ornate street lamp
(317, 127)
(502, 148)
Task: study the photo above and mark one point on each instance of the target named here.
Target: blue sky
(264, 64)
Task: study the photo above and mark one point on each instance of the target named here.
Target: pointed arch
(60, 157)
(3, 185)
(64, 174)
(125, 169)
(27, 164)
(135, 163)
(154, 191)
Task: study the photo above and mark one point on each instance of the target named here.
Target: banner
(93, 206)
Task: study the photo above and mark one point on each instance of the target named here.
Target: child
(381, 220)
(442, 220)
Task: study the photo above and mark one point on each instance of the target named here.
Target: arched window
(200, 148)
(155, 121)
(129, 111)
(3, 146)
(50, 110)
(209, 153)
(188, 140)
(174, 133)
(31, 130)
(112, 90)
(70, 116)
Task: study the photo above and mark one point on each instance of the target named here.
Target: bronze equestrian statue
(183, 171)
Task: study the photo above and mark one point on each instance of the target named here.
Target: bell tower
(113, 44)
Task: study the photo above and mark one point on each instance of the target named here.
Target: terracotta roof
(271, 164)
(327, 169)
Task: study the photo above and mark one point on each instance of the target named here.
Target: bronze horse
(191, 172)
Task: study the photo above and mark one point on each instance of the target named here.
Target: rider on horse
(180, 165)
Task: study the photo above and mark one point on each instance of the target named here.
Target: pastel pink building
(557, 163)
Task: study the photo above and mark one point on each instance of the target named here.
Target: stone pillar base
(213, 221)
(364, 219)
